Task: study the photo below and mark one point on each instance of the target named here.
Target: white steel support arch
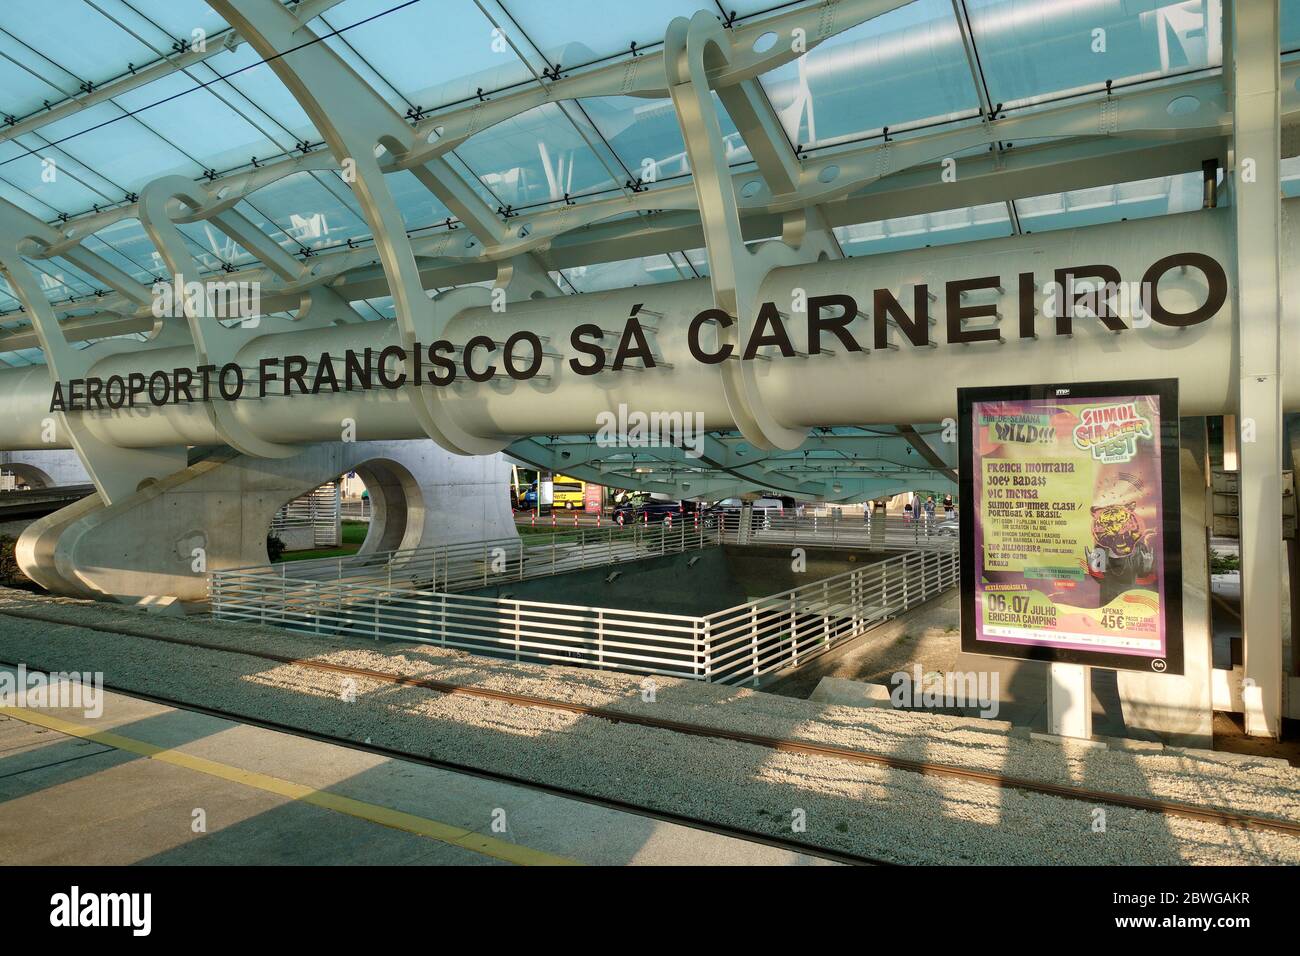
(1254, 82)
(359, 127)
(691, 48)
(214, 344)
(1092, 140)
(116, 472)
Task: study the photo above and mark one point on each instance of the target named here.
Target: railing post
(753, 636)
(855, 602)
(600, 638)
(706, 636)
(794, 628)
(826, 613)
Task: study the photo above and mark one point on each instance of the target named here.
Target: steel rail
(1168, 808)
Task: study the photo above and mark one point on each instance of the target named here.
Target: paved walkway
(148, 784)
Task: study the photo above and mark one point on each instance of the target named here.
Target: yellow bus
(566, 493)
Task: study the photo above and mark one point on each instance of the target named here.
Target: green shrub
(1224, 563)
(274, 548)
(9, 571)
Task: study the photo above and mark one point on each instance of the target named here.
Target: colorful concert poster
(1070, 524)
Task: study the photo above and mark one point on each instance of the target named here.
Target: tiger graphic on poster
(1122, 556)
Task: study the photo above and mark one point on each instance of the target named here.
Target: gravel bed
(849, 807)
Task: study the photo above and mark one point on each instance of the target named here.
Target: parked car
(727, 511)
(648, 510)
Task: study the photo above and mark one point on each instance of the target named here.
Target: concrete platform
(132, 785)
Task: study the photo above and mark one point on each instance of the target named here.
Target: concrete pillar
(1180, 708)
(1253, 76)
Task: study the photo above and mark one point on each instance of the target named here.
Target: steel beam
(1138, 139)
(1254, 83)
(359, 127)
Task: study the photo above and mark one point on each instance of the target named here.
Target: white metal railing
(865, 532)
(355, 509)
(456, 567)
(783, 630)
(318, 511)
(741, 643)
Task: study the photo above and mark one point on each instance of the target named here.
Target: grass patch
(353, 534)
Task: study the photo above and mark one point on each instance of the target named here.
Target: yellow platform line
(384, 816)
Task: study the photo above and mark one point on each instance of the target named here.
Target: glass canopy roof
(907, 69)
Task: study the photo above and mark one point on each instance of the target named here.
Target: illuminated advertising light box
(1069, 524)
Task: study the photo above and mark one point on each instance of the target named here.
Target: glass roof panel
(129, 157)
(535, 157)
(1088, 207)
(38, 38)
(252, 87)
(1030, 48)
(930, 229)
(418, 206)
(210, 246)
(125, 245)
(302, 212)
(431, 53)
(174, 18)
(57, 279)
(908, 66)
(22, 357)
(48, 176)
(645, 270)
(574, 32)
(224, 139)
(20, 91)
(76, 279)
(643, 134)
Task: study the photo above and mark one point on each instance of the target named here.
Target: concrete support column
(1181, 708)
(1253, 75)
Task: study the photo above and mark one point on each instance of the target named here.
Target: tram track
(1168, 808)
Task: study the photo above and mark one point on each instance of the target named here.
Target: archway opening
(375, 507)
(20, 476)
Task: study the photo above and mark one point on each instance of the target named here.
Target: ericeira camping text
(1076, 292)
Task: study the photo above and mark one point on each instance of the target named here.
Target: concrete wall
(694, 582)
(162, 541)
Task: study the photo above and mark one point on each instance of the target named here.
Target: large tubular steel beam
(873, 386)
(1253, 28)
